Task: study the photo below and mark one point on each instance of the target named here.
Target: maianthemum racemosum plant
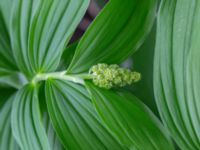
(55, 96)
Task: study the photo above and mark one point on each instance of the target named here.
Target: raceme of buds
(108, 76)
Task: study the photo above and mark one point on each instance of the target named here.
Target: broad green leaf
(129, 120)
(177, 69)
(7, 141)
(8, 69)
(40, 31)
(53, 139)
(26, 121)
(54, 142)
(75, 119)
(12, 79)
(6, 57)
(116, 33)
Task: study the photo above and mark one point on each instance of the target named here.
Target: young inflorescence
(108, 76)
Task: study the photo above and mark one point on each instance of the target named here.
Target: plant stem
(76, 78)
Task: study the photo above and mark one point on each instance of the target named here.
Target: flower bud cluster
(108, 76)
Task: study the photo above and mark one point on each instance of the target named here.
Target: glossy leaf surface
(115, 34)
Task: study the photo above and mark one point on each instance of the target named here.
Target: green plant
(176, 70)
(56, 96)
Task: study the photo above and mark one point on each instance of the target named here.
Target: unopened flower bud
(108, 76)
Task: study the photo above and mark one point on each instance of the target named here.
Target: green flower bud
(135, 76)
(108, 76)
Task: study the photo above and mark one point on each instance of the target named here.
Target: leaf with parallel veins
(129, 120)
(26, 120)
(7, 141)
(75, 119)
(40, 31)
(176, 70)
(115, 34)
